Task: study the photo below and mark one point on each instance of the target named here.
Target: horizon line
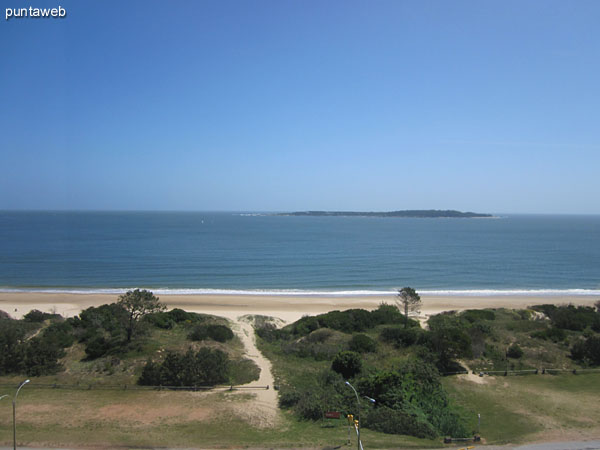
(255, 211)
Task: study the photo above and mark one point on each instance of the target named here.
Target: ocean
(241, 253)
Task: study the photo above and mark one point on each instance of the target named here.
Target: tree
(138, 303)
(408, 301)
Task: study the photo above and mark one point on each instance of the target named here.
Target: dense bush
(313, 395)
(514, 351)
(449, 339)
(349, 321)
(167, 320)
(477, 315)
(160, 320)
(346, 363)
(59, 334)
(33, 357)
(414, 389)
(41, 358)
(97, 346)
(38, 316)
(553, 334)
(410, 398)
(270, 333)
(12, 333)
(361, 343)
(319, 336)
(402, 337)
(102, 329)
(388, 314)
(219, 333)
(391, 421)
(205, 367)
(289, 398)
(587, 351)
(308, 347)
(570, 317)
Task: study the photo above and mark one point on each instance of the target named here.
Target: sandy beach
(287, 308)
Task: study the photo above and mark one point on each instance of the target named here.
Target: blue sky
(294, 105)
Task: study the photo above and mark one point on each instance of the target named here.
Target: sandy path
(263, 410)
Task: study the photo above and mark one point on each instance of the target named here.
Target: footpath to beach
(287, 308)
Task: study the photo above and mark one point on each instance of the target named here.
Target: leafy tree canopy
(138, 303)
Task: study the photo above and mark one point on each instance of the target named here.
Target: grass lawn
(513, 409)
(530, 408)
(55, 417)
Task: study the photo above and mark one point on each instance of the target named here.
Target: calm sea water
(227, 253)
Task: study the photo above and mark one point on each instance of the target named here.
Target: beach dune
(287, 308)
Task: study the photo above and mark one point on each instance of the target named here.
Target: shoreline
(288, 308)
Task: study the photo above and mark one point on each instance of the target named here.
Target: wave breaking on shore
(310, 293)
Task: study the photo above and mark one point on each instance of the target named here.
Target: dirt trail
(262, 410)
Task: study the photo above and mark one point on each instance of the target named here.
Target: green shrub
(392, 421)
(59, 334)
(270, 333)
(303, 348)
(102, 329)
(587, 350)
(243, 371)
(413, 390)
(346, 363)
(402, 337)
(578, 350)
(449, 341)
(289, 397)
(319, 336)
(13, 345)
(205, 367)
(305, 325)
(361, 343)
(389, 314)
(514, 351)
(553, 334)
(219, 333)
(41, 358)
(160, 320)
(350, 320)
(477, 315)
(570, 317)
(38, 316)
(97, 346)
(309, 407)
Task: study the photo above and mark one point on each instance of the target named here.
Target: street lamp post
(359, 444)
(359, 416)
(15, 414)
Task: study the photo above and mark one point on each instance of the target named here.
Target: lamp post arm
(15, 414)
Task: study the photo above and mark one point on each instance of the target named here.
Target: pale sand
(288, 308)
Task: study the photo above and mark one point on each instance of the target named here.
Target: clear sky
(487, 106)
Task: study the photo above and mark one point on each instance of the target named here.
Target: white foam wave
(510, 292)
(315, 293)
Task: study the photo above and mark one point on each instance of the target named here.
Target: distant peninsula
(420, 213)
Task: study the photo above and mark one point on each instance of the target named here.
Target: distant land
(421, 213)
